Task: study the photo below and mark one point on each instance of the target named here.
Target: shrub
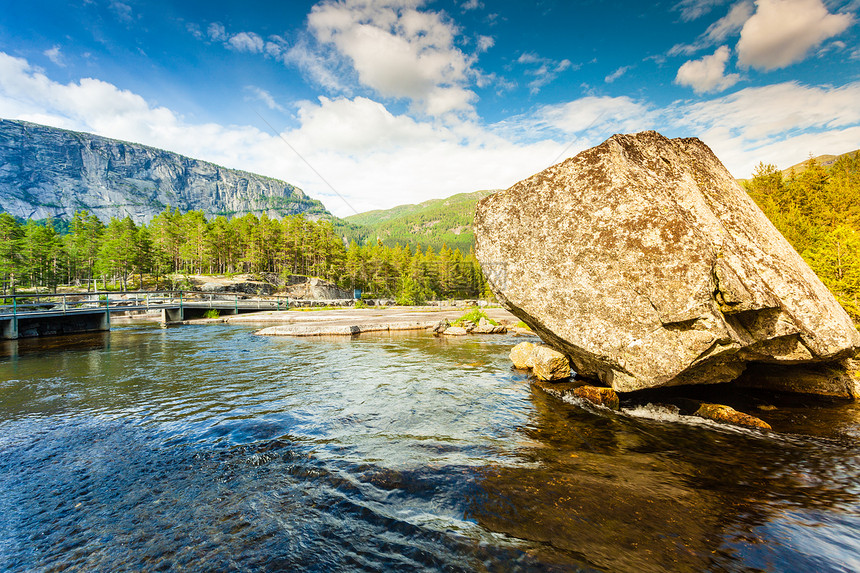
(474, 314)
(211, 313)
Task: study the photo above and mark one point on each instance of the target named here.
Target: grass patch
(522, 324)
(361, 304)
(475, 315)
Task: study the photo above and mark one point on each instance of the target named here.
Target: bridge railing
(112, 301)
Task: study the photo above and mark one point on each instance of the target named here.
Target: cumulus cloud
(485, 43)
(728, 25)
(371, 156)
(376, 158)
(55, 55)
(241, 41)
(246, 42)
(216, 32)
(782, 32)
(707, 74)
(399, 51)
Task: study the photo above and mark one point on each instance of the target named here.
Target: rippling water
(208, 448)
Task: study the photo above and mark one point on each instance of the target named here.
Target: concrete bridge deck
(23, 316)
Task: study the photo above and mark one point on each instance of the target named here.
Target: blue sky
(373, 103)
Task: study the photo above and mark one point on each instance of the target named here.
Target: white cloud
(485, 43)
(472, 5)
(728, 25)
(246, 42)
(216, 32)
(56, 56)
(374, 158)
(694, 9)
(318, 67)
(241, 41)
(616, 74)
(781, 32)
(398, 51)
(544, 70)
(262, 95)
(599, 114)
(707, 74)
(122, 11)
(377, 159)
(780, 123)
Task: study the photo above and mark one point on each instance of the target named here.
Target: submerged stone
(600, 396)
(645, 262)
(728, 415)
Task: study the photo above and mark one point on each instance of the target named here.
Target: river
(204, 447)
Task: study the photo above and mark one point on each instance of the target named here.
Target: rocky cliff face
(51, 172)
(648, 265)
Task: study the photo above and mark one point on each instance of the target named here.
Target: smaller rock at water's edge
(521, 355)
(728, 415)
(550, 364)
(601, 396)
(455, 331)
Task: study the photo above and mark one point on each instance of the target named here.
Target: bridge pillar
(169, 315)
(9, 329)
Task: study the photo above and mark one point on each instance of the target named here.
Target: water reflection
(637, 495)
(210, 448)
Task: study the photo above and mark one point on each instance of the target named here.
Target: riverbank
(348, 321)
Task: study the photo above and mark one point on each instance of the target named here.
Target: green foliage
(361, 304)
(212, 313)
(409, 292)
(174, 245)
(475, 315)
(818, 211)
(427, 224)
(522, 324)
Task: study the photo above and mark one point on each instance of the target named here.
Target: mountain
(51, 172)
(823, 160)
(430, 223)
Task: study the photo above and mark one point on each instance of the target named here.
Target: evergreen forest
(818, 211)
(121, 254)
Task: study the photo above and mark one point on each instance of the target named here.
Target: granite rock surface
(645, 262)
(51, 172)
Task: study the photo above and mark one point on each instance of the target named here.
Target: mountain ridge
(52, 172)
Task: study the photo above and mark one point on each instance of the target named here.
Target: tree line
(818, 211)
(37, 254)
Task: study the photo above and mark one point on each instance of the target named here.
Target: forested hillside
(36, 254)
(818, 211)
(428, 224)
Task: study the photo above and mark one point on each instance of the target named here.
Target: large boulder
(646, 263)
(313, 288)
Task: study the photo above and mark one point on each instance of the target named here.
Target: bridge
(24, 316)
